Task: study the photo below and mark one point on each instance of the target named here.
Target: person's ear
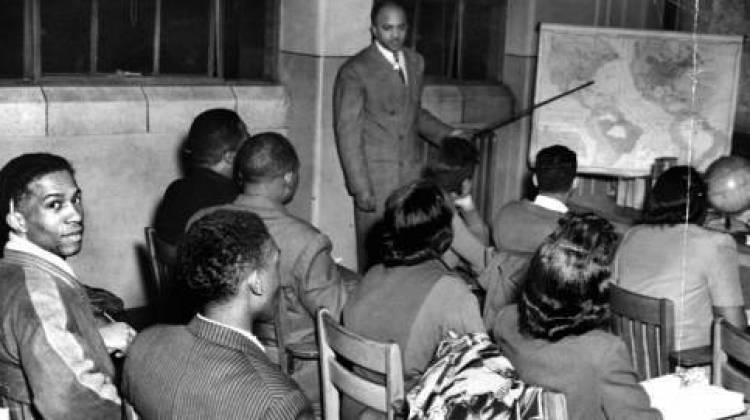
(256, 283)
(289, 178)
(576, 183)
(15, 220)
(228, 156)
(534, 180)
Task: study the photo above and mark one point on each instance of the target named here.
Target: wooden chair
(731, 357)
(646, 324)
(555, 405)
(163, 258)
(337, 344)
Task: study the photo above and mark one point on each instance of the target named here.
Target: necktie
(399, 68)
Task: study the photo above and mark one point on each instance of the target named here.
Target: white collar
(244, 333)
(20, 244)
(389, 55)
(550, 203)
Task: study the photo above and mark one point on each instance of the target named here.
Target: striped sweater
(206, 371)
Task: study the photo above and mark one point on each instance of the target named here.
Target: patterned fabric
(471, 379)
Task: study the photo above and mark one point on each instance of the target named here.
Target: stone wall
(123, 142)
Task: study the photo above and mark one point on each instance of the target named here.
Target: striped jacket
(53, 362)
(206, 371)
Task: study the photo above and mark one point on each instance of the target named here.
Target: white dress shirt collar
(550, 203)
(242, 332)
(389, 55)
(20, 244)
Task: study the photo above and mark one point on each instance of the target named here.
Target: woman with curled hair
(412, 298)
(670, 255)
(556, 336)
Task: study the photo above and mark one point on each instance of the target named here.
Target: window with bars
(460, 39)
(216, 39)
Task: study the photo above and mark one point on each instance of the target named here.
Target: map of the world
(655, 94)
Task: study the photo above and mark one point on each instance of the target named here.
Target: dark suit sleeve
(622, 396)
(429, 125)
(348, 118)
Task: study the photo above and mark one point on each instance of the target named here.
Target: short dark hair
(264, 156)
(18, 174)
(213, 133)
(457, 159)
(219, 250)
(678, 196)
(555, 168)
(379, 5)
(565, 291)
(416, 224)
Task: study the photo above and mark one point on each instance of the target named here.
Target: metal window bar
(157, 38)
(94, 38)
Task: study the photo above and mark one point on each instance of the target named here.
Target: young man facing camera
(214, 367)
(54, 361)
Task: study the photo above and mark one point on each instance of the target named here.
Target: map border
(548, 30)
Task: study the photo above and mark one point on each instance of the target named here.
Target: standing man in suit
(377, 115)
(214, 367)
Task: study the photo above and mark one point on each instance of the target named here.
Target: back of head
(219, 250)
(456, 162)
(213, 133)
(18, 174)
(678, 196)
(555, 169)
(417, 224)
(565, 290)
(263, 157)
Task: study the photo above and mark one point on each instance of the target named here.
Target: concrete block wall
(124, 143)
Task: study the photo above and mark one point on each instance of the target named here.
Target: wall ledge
(60, 110)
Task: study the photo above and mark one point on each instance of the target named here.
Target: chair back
(163, 258)
(731, 368)
(646, 324)
(555, 405)
(340, 352)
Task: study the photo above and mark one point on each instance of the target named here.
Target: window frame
(32, 71)
(456, 47)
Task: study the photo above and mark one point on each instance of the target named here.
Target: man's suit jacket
(206, 371)
(376, 120)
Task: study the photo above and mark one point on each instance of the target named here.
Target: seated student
(214, 367)
(453, 172)
(671, 256)
(521, 226)
(556, 336)
(54, 360)
(214, 137)
(267, 168)
(412, 298)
